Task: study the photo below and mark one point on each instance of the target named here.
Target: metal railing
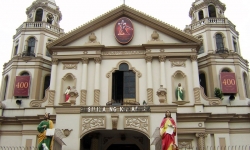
(222, 50)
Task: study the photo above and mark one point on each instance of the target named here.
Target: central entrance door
(123, 147)
(115, 140)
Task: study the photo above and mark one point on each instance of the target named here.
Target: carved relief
(162, 58)
(51, 97)
(54, 61)
(140, 123)
(148, 51)
(70, 65)
(123, 52)
(54, 53)
(97, 60)
(85, 60)
(83, 97)
(148, 58)
(193, 57)
(85, 52)
(92, 39)
(197, 95)
(96, 97)
(155, 38)
(201, 140)
(130, 68)
(150, 95)
(69, 74)
(38, 103)
(162, 50)
(185, 144)
(178, 63)
(89, 123)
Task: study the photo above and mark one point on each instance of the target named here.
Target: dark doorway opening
(123, 86)
(123, 147)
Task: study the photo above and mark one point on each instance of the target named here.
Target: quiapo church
(108, 83)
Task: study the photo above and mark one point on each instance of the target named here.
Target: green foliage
(218, 93)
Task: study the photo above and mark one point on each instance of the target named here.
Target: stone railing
(211, 21)
(39, 25)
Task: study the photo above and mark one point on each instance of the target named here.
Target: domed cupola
(44, 11)
(206, 9)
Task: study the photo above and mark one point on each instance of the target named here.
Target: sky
(78, 12)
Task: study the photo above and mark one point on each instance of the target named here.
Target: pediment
(108, 19)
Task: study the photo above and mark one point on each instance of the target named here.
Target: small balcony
(28, 53)
(222, 50)
(39, 25)
(212, 21)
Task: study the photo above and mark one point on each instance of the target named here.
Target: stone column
(85, 62)
(195, 79)
(162, 60)
(149, 80)
(201, 140)
(53, 82)
(97, 81)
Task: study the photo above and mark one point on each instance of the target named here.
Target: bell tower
(30, 56)
(220, 50)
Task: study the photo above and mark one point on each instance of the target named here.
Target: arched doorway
(114, 140)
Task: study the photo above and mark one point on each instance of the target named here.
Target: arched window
(219, 42)
(46, 84)
(123, 84)
(201, 16)
(6, 80)
(211, 11)
(31, 47)
(235, 44)
(203, 82)
(225, 70)
(39, 15)
(246, 84)
(24, 74)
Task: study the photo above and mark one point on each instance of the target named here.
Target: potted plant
(218, 93)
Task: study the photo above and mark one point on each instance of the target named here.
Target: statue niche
(67, 82)
(179, 88)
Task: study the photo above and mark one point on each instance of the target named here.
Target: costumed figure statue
(45, 142)
(67, 94)
(168, 132)
(179, 93)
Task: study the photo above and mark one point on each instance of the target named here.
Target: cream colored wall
(217, 125)
(218, 136)
(11, 140)
(240, 139)
(105, 35)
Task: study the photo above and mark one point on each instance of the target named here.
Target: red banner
(22, 85)
(228, 82)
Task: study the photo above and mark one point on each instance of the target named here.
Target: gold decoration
(197, 95)
(90, 123)
(51, 97)
(162, 58)
(148, 58)
(150, 95)
(96, 97)
(83, 97)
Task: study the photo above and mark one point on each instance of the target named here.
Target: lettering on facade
(115, 109)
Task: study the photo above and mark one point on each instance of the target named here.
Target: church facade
(108, 83)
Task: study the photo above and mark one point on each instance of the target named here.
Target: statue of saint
(67, 94)
(45, 142)
(168, 132)
(179, 93)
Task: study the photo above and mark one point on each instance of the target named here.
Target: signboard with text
(22, 85)
(228, 82)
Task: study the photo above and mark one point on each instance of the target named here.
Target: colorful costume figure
(67, 94)
(179, 93)
(42, 138)
(167, 139)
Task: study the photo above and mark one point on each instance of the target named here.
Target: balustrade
(210, 21)
(41, 25)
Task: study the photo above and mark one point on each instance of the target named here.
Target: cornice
(172, 45)
(123, 10)
(75, 48)
(21, 120)
(192, 117)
